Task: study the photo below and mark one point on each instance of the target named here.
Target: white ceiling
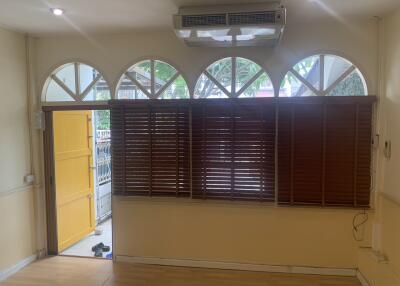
(106, 16)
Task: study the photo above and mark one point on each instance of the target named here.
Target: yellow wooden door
(73, 152)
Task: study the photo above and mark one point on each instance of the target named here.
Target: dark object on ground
(98, 246)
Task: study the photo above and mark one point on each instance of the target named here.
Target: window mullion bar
(321, 73)
(250, 82)
(304, 81)
(138, 84)
(153, 80)
(233, 83)
(339, 80)
(90, 86)
(217, 83)
(77, 80)
(64, 87)
(165, 86)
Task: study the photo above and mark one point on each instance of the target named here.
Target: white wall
(17, 226)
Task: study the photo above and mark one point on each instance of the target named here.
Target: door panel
(73, 141)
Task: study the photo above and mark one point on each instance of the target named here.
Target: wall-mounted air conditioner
(231, 25)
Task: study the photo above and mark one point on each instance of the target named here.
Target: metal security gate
(103, 174)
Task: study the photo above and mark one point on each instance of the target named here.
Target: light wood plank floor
(71, 271)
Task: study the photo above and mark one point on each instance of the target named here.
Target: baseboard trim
(362, 279)
(5, 273)
(238, 266)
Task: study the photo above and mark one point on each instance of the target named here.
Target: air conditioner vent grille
(203, 20)
(252, 18)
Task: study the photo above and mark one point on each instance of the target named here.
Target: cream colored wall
(390, 183)
(390, 220)
(224, 232)
(17, 235)
(387, 234)
(17, 228)
(381, 267)
(234, 232)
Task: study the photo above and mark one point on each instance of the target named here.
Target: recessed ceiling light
(57, 11)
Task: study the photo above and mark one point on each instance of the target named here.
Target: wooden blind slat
(324, 151)
(233, 149)
(225, 149)
(154, 148)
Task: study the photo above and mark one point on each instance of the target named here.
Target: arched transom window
(75, 82)
(151, 79)
(233, 77)
(323, 75)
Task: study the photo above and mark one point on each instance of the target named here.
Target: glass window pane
(205, 88)
(142, 73)
(100, 91)
(222, 71)
(309, 69)
(334, 67)
(163, 73)
(177, 90)
(56, 93)
(261, 87)
(67, 76)
(353, 85)
(144, 66)
(128, 90)
(87, 75)
(245, 70)
(291, 86)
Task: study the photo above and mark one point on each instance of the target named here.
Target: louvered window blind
(324, 151)
(317, 149)
(233, 149)
(150, 148)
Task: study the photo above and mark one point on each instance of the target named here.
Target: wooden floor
(73, 271)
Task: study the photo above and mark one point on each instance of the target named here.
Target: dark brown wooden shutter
(233, 145)
(150, 148)
(324, 151)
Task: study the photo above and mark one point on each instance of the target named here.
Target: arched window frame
(322, 90)
(152, 94)
(77, 94)
(233, 93)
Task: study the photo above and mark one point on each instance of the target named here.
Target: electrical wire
(356, 226)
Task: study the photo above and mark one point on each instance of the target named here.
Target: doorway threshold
(83, 248)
